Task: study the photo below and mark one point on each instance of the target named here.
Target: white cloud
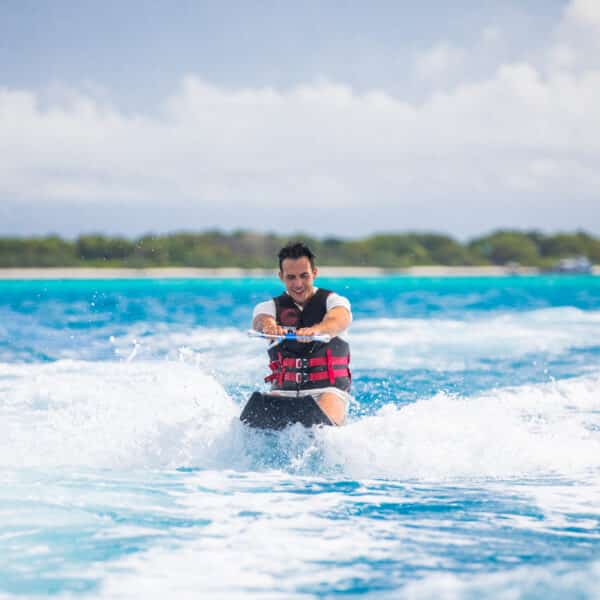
(213, 143)
(578, 35)
(521, 131)
(491, 35)
(562, 56)
(440, 61)
(585, 12)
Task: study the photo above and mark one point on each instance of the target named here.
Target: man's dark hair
(296, 250)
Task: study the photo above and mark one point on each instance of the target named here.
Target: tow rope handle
(290, 336)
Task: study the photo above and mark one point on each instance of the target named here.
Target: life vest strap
(330, 370)
(307, 363)
(304, 377)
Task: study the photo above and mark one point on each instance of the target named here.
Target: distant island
(248, 250)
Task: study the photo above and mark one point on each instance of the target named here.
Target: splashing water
(470, 465)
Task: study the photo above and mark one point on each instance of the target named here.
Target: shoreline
(73, 273)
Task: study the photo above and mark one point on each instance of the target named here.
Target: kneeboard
(269, 411)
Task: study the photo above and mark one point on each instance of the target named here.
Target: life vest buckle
(302, 363)
(302, 377)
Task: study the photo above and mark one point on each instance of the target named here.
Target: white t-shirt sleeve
(264, 308)
(334, 300)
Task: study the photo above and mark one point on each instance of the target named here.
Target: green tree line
(254, 250)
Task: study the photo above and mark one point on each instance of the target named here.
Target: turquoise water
(470, 465)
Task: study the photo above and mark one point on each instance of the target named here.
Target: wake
(163, 414)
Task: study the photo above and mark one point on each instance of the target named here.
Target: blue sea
(469, 467)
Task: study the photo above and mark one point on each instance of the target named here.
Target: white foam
(264, 539)
(560, 580)
(107, 414)
(452, 344)
(448, 344)
(533, 430)
(170, 414)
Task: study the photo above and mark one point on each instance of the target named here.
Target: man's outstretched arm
(336, 320)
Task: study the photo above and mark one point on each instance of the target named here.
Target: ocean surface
(469, 468)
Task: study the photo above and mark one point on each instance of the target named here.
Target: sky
(335, 118)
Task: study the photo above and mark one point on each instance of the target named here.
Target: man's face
(298, 277)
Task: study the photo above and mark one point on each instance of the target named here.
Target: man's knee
(333, 406)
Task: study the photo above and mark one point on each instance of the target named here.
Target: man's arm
(263, 319)
(336, 320)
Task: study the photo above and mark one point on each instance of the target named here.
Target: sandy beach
(231, 273)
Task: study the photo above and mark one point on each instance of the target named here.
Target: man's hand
(274, 329)
(335, 321)
(268, 325)
(307, 331)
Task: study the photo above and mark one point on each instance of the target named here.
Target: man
(303, 368)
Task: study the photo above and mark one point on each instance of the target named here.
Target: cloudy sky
(334, 117)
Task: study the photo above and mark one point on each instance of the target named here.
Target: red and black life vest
(305, 366)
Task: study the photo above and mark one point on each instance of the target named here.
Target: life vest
(304, 366)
